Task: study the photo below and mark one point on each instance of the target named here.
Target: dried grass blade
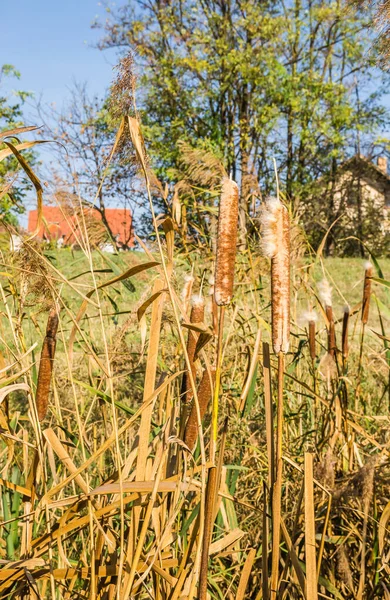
(310, 531)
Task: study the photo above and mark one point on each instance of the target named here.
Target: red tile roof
(58, 223)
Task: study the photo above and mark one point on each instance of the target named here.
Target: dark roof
(364, 165)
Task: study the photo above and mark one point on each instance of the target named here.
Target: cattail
(197, 316)
(276, 245)
(326, 297)
(366, 292)
(345, 343)
(311, 317)
(46, 365)
(226, 242)
(204, 397)
(186, 291)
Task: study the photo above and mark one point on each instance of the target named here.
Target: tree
(252, 81)
(13, 184)
(85, 134)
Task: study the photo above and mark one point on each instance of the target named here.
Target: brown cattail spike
(325, 291)
(311, 317)
(226, 242)
(345, 342)
(204, 397)
(197, 316)
(46, 365)
(366, 292)
(331, 330)
(276, 245)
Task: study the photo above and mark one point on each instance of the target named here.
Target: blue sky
(51, 43)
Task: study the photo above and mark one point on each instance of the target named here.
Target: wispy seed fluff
(368, 272)
(226, 242)
(276, 245)
(325, 292)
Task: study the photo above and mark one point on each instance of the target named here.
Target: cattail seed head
(226, 242)
(197, 316)
(345, 343)
(311, 317)
(276, 245)
(46, 365)
(366, 292)
(325, 292)
(204, 397)
(331, 330)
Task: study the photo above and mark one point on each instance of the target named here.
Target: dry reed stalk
(197, 316)
(277, 489)
(264, 545)
(214, 306)
(366, 292)
(269, 416)
(310, 531)
(276, 245)
(245, 574)
(226, 242)
(46, 365)
(208, 530)
(344, 338)
(204, 397)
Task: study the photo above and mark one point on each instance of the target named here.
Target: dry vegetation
(111, 488)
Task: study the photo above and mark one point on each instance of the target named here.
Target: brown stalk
(366, 293)
(226, 242)
(208, 530)
(312, 339)
(46, 365)
(345, 341)
(204, 397)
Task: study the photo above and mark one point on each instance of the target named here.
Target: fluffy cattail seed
(46, 365)
(197, 316)
(204, 397)
(366, 292)
(226, 242)
(276, 245)
(311, 317)
(345, 344)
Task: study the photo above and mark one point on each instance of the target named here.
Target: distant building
(362, 185)
(66, 227)
(356, 199)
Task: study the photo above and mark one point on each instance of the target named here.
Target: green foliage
(11, 115)
(253, 81)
